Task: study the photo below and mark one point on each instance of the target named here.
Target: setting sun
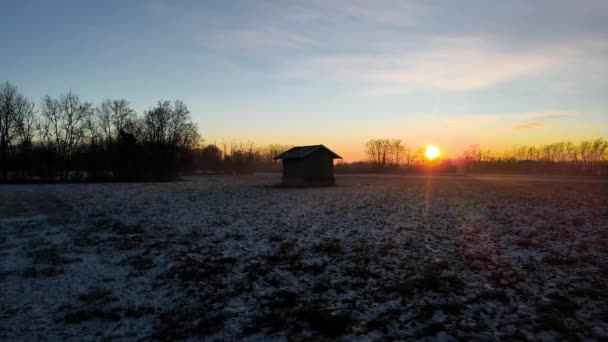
(431, 152)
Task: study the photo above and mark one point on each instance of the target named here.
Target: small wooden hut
(308, 166)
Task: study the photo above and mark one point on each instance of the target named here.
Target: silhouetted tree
(397, 151)
(16, 113)
(242, 158)
(211, 159)
(26, 129)
(388, 152)
(115, 116)
(377, 151)
(265, 155)
(8, 96)
(67, 136)
(167, 129)
(67, 117)
(127, 158)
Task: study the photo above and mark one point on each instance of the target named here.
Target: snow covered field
(373, 258)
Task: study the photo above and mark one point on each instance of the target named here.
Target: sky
(449, 73)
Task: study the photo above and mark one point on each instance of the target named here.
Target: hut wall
(316, 169)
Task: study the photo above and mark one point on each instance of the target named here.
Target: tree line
(589, 157)
(69, 139)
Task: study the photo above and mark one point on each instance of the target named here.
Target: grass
(553, 321)
(236, 236)
(314, 268)
(556, 259)
(84, 240)
(122, 243)
(325, 322)
(282, 299)
(41, 272)
(139, 311)
(86, 314)
(358, 271)
(380, 323)
(256, 269)
(603, 315)
(5, 274)
(589, 292)
(331, 248)
(275, 238)
(47, 255)
(321, 285)
(429, 279)
(504, 278)
(272, 322)
(285, 254)
(559, 304)
(289, 311)
(188, 322)
(126, 229)
(528, 242)
(191, 270)
(495, 295)
(97, 296)
(367, 282)
(139, 263)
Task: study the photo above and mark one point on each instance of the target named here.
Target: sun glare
(431, 152)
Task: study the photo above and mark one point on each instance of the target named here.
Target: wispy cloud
(456, 63)
(550, 115)
(263, 37)
(447, 64)
(531, 125)
(389, 47)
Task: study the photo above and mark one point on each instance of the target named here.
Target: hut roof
(300, 152)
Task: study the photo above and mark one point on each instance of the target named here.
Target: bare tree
(26, 128)
(408, 156)
(224, 145)
(114, 116)
(8, 95)
(68, 119)
(180, 125)
(378, 151)
(241, 157)
(156, 121)
(168, 124)
(26, 123)
(122, 116)
(211, 158)
(188, 136)
(418, 156)
(397, 151)
(16, 120)
(46, 127)
(103, 114)
(267, 153)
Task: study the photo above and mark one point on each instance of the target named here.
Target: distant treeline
(589, 157)
(68, 139)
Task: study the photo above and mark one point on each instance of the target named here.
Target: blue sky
(451, 73)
